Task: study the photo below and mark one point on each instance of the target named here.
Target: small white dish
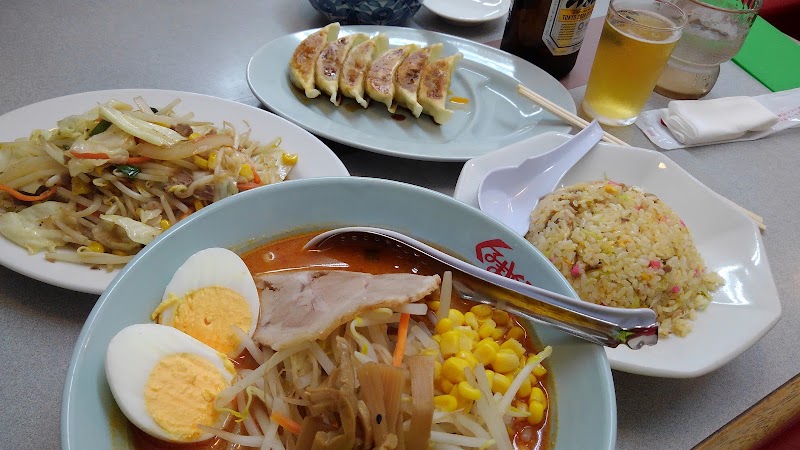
(741, 311)
(495, 115)
(468, 12)
(315, 160)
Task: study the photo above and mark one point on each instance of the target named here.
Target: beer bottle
(548, 33)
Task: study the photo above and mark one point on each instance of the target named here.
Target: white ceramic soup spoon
(599, 324)
(509, 194)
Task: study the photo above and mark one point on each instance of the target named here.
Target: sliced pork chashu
(408, 77)
(329, 65)
(356, 66)
(304, 58)
(301, 306)
(433, 87)
(380, 78)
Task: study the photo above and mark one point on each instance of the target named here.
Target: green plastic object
(771, 57)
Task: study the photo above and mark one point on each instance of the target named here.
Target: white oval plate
(315, 160)
(495, 116)
(468, 12)
(741, 312)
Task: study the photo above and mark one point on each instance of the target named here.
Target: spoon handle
(599, 324)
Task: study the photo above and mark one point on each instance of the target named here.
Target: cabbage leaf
(25, 228)
(136, 231)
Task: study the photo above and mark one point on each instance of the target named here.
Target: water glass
(714, 33)
(638, 37)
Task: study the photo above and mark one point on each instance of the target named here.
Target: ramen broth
(288, 254)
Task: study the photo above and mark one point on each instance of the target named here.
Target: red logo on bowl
(490, 253)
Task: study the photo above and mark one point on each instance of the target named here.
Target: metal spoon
(599, 324)
(509, 194)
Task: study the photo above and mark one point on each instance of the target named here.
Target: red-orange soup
(288, 254)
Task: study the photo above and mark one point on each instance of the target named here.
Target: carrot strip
(25, 197)
(256, 178)
(138, 159)
(185, 215)
(287, 423)
(90, 155)
(247, 186)
(402, 334)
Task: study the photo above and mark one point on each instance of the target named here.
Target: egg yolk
(180, 393)
(207, 315)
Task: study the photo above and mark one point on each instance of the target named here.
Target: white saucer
(468, 12)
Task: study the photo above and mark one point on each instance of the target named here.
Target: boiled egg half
(165, 381)
(212, 292)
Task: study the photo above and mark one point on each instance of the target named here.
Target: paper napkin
(722, 119)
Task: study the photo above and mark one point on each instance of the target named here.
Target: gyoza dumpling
(301, 66)
(433, 86)
(380, 78)
(356, 66)
(408, 77)
(330, 63)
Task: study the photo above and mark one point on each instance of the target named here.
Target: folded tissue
(688, 123)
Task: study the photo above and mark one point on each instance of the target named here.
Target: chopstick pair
(579, 122)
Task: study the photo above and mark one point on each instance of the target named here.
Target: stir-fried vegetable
(118, 175)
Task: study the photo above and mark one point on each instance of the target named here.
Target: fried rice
(620, 246)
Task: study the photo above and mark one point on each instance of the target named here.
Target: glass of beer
(637, 39)
(714, 33)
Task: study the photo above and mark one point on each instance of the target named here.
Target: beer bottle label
(566, 25)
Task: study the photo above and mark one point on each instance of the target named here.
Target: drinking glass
(637, 39)
(714, 33)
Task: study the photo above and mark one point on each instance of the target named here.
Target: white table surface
(50, 49)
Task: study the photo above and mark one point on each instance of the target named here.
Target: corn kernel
(434, 305)
(539, 371)
(80, 187)
(437, 338)
(468, 357)
(611, 189)
(198, 205)
(500, 383)
(212, 160)
(482, 311)
(164, 224)
(200, 162)
(465, 341)
(485, 352)
(443, 326)
(498, 333)
(461, 402)
(449, 344)
(471, 320)
(490, 341)
(514, 344)
(500, 317)
(445, 385)
(118, 253)
(96, 247)
(289, 158)
(506, 361)
(487, 329)
(446, 403)
(537, 395)
(98, 170)
(195, 135)
(490, 377)
(246, 171)
(532, 379)
(515, 333)
(468, 392)
(537, 413)
(437, 370)
(453, 369)
(525, 389)
(457, 317)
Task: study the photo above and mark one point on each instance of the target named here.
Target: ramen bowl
(367, 12)
(582, 406)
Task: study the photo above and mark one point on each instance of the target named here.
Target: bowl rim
(90, 325)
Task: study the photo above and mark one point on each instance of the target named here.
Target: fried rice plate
(620, 246)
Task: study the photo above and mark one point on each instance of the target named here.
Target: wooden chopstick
(579, 122)
(565, 115)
